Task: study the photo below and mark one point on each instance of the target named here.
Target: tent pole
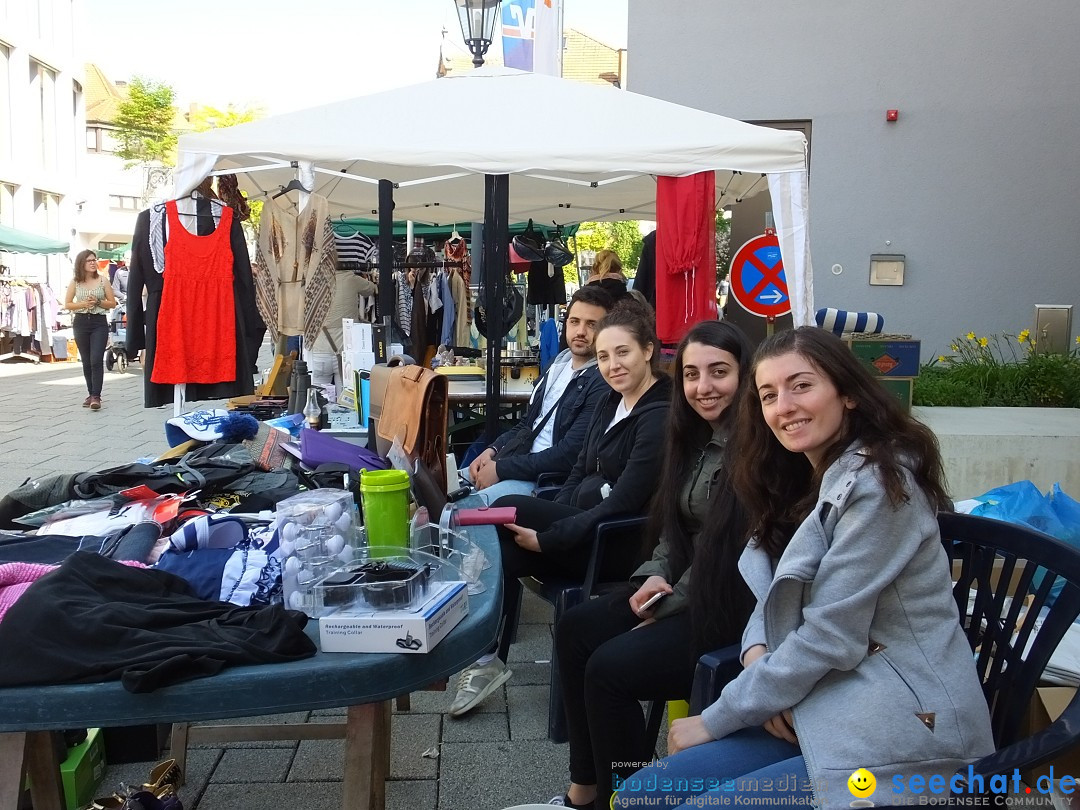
(386, 254)
(496, 239)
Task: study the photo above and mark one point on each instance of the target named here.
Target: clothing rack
(42, 329)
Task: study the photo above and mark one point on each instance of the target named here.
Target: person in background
(549, 436)
(607, 273)
(120, 281)
(89, 296)
(854, 656)
(614, 475)
(613, 652)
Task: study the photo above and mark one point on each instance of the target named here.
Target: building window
(5, 104)
(43, 111)
(93, 139)
(102, 246)
(123, 203)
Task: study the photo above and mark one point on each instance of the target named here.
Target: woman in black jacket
(616, 651)
(615, 474)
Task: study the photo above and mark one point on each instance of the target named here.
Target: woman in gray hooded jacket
(854, 660)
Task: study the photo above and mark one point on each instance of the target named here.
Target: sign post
(757, 279)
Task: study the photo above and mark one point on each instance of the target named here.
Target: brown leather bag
(410, 403)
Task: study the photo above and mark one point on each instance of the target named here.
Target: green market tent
(115, 253)
(16, 241)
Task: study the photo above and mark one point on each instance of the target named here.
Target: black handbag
(513, 304)
(529, 245)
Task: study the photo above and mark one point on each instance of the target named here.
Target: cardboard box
(1046, 706)
(886, 355)
(355, 336)
(341, 417)
(900, 387)
(378, 343)
(395, 631)
(83, 769)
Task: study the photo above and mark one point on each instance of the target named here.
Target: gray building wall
(978, 181)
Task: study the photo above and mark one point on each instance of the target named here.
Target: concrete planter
(985, 448)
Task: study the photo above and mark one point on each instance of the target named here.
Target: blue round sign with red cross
(757, 279)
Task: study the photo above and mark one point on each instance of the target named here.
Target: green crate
(83, 769)
(901, 388)
(886, 355)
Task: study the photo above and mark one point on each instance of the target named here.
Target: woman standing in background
(89, 295)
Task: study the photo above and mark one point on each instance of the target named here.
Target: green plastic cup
(385, 498)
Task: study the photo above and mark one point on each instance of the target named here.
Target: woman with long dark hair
(613, 651)
(89, 295)
(614, 475)
(854, 657)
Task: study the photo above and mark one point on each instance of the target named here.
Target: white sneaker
(476, 683)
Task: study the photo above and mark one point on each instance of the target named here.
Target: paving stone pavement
(496, 757)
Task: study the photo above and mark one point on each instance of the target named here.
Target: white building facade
(973, 180)
(42, 127)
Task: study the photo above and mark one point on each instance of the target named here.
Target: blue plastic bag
(1022, 503)
(1067, 511)
(1055, 514)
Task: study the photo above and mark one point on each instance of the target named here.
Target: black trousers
(538, 514)
(607, 668)
(91, 337)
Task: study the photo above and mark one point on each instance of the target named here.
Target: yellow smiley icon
(862, 783)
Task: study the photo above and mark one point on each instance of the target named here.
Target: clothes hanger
(454, 233)
(294, 185)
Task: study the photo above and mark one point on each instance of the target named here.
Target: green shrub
(933, 387)
(1001, 370)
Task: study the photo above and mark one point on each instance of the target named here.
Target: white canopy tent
(575, 152)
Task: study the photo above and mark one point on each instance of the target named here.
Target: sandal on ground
(165, 777)
(114, 802)
(145, 800)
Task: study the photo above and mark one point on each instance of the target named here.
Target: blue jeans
(91, 336)
(750, 763)
(497, 490)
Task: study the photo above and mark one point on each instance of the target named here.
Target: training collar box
(383, 631)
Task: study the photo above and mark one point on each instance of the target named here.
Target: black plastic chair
(1003, 575)
(564, 593)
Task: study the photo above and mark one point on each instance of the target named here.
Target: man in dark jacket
(549, 437)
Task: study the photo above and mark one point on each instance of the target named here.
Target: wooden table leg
(43, 768)
(367, 756)
(12, 750)
(178, 745)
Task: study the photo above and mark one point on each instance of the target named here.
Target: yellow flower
(983, 342)
(1078, 339)
(941, 358)
(956, 348)
(1024, 335)
(970, 336)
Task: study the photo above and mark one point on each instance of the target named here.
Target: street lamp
(478, 18)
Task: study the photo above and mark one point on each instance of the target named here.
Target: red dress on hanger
(196, 324)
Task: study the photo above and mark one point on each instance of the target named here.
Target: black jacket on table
(514, 459)
(627, 457)
(142, 319)
(94, 619)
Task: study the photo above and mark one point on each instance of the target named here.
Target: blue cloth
(549, 343)
(750, 763)
(249, 573)
(446, 336)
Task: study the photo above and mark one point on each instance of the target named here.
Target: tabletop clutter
(379, 587)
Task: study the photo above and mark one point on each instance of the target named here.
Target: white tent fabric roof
(577, 152)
